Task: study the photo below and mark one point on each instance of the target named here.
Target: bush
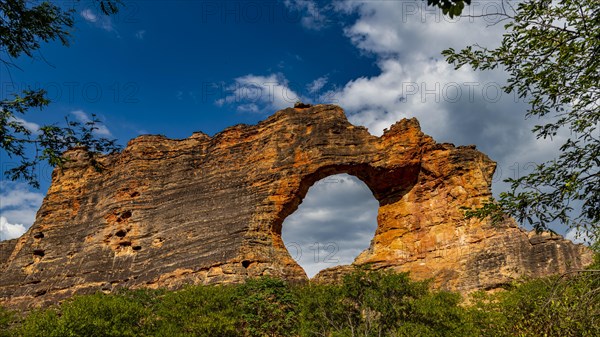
(567, 306)
(7, 317)
(366, 303)
(437, 314)
(198, 311)
(269, 307)
(381, 304)
(91, 315)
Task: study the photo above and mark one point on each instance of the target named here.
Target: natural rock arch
(387, 186)
(165, 212)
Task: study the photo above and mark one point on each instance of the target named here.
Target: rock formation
(165, 212)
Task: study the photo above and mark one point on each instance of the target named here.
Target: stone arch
(388, 186)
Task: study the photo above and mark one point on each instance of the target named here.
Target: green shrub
(553, 306)
(322, 311)
(7, 317)
(91, 315)
(198, 311)
(268, 307)
(485, 314)
(568, 306)
(437, 314)
(381, 304)
(366, 303)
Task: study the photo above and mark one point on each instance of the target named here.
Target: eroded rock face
(6, 249)
(209, 210)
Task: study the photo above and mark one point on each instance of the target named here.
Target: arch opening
(334, 223)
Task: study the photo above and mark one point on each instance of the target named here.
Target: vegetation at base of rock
(564, 305)
(6, 318)
(381, 304)
(364, 304)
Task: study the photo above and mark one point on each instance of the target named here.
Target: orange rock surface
(207, 210)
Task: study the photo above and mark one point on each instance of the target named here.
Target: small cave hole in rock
(136, 248)
(124, 216)
(38, 235)
(245, 263)
(335, 222)
(121, 233)
(39, 252)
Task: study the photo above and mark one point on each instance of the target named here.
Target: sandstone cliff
(210, 209)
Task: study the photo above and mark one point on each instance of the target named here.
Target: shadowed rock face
(207, 210)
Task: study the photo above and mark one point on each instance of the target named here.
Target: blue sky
(159, 67)
(175, 67)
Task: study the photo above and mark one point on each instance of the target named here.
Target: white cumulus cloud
(257, 93)
(18, 207)
(10, 231)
